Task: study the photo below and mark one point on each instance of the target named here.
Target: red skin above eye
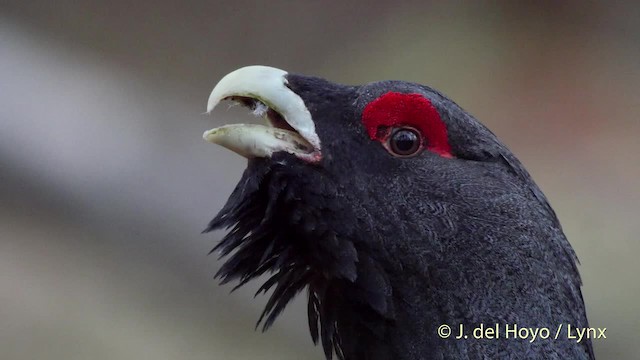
(413, 110)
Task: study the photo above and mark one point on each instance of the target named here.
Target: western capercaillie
(398, 212)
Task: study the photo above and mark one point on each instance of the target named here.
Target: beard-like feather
(285, 221)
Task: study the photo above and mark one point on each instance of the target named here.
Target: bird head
(397, 211)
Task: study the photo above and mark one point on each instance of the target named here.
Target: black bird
(398, 212)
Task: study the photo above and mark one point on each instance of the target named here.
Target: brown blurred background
(105, 182)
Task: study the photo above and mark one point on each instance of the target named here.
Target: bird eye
(405, 142)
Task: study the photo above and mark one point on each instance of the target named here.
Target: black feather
(390, 248)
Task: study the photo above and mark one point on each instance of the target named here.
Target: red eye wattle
(395, 110)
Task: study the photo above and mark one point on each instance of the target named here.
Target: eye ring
(404, 142)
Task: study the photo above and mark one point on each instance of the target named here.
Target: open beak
(289, 127)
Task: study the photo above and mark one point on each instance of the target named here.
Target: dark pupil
(405, 140)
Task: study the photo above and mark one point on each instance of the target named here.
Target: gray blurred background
(106, 183)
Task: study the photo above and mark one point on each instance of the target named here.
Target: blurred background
(106, 183)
